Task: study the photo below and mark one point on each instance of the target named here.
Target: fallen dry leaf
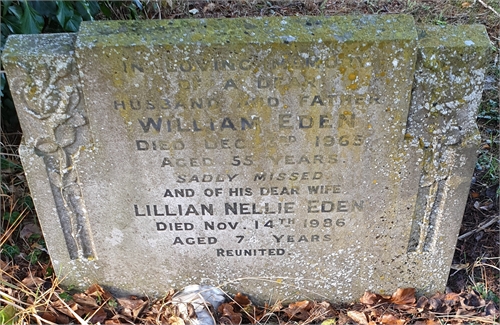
(32, 282)
(358, 317)
(474, 195)
(390, 319)
(55, 316)
(491, 310)
(452, 299)
(174, 320)
(321, 311)
(48, 316)
(28, 230)
(4, 266)
(370, 298)
(97, 291)
(298, 310)
(434, 304)
(427, 322)
(85, 300)
(405, 296)
(242, 300)
(422, 303)
(472, 301)
(60, 307)
(99, 316)
(133, 306)
(119, 319)
(227, 311)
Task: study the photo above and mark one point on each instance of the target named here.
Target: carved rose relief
(52, 96)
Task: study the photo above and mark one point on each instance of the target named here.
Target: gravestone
(286, 158)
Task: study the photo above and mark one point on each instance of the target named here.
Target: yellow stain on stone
(421, 143)
(352, 76)
(374, 181)
(33, 91)
(352, 86)
(197, 37)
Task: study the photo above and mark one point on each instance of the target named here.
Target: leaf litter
(206, 305)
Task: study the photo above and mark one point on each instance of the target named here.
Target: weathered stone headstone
(287, 158)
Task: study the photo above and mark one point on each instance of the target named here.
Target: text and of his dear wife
(278, 217)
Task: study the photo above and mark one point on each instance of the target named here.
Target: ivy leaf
(11, 20)
(3, 83)
(31, 21)
(17, 11)
(5, 6)
(44, 8)
(73, 25)
(12, 24)
(10, 217)
(105, 10)
(69, 20)
(87, 9)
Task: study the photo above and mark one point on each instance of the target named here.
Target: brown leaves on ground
(49, 304)
(403, 307)
(309, 311)
(240, 309)
(404, 296)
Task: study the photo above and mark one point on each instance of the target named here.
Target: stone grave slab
(286, 158)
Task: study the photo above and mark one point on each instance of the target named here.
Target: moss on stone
(210, 32)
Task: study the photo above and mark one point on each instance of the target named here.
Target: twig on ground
(489, 7)
(469, 318)
(81, 320)
(481, 227)
(7, 302)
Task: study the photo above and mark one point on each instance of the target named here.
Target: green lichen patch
(208, 32)
(453, 36)
(38, 46)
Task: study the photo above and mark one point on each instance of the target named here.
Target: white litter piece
(202, 297)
